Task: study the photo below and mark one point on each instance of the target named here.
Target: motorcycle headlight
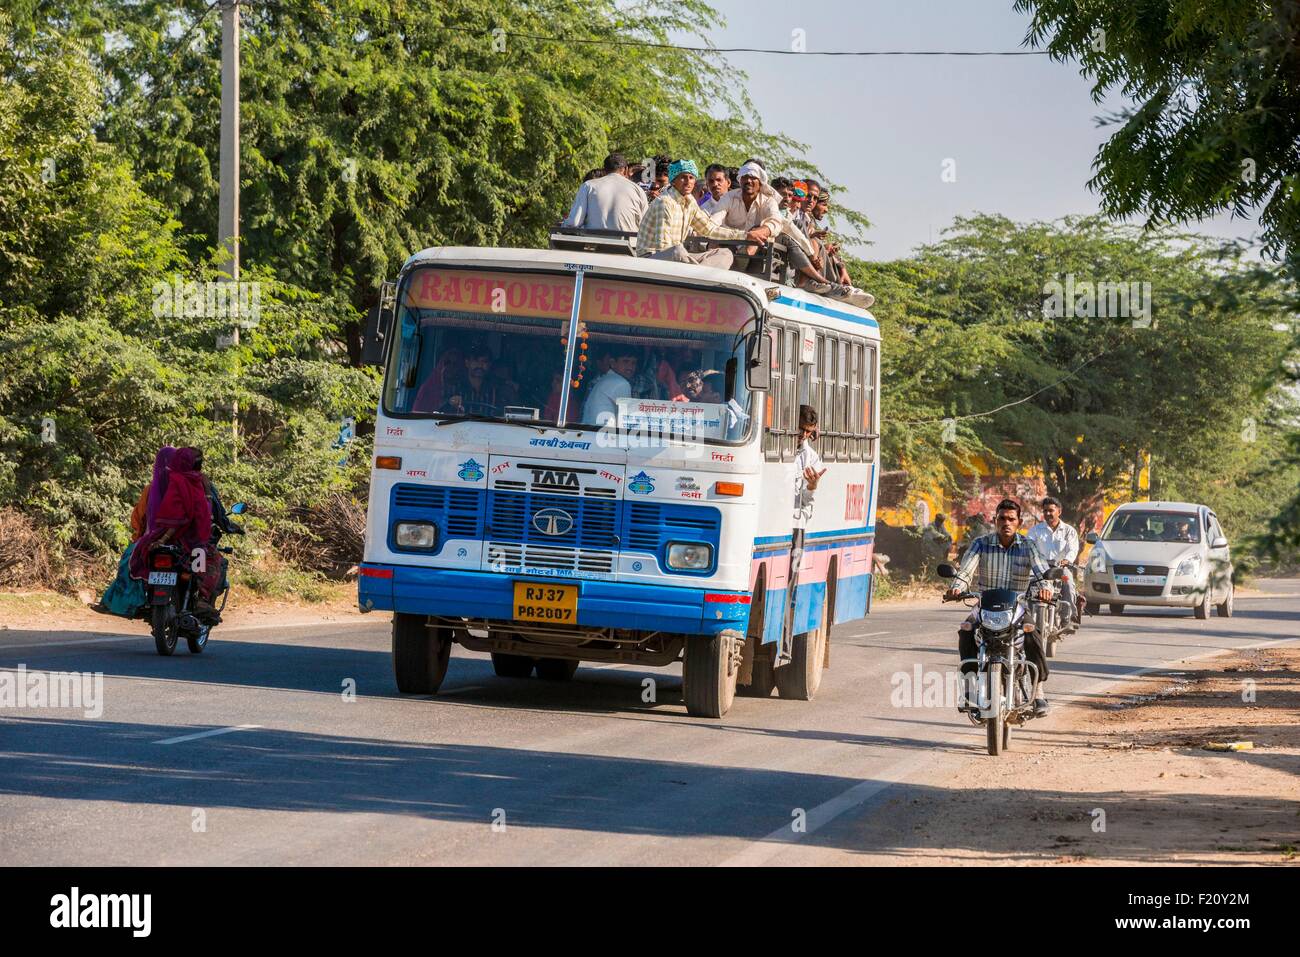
(423, 535)
(996, 620)
(1189, 566)
(690, 556)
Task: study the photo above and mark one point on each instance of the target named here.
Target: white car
(1168, 554)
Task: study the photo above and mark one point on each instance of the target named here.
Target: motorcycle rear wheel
(163, 626)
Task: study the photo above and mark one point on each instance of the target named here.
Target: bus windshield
(647, 357)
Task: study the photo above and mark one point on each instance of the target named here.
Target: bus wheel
(709, 671)
(420, 654)
(800, 677)
(511, 666)
(556, 669)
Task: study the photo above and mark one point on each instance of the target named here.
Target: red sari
(184, 510)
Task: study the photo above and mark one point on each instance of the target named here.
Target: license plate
(162, 578)
(535, 601)
(1141, 579)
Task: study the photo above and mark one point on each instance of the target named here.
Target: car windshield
(1135, 526)
(647, 357)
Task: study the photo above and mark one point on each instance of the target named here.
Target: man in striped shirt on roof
(674, 216)
(1002, 560)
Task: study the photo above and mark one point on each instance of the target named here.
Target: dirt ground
(1125, 778)
(49, 611)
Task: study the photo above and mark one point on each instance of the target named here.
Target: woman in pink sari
(183, 518)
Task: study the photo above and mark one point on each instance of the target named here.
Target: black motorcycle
(172, 590)
(1005, 675)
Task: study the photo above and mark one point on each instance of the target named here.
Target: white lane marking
(765, 848)
(208, 734)
(870, 634)
(448, 694)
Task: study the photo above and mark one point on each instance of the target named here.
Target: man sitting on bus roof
(717, 182)
(674, 216)
(611, 201)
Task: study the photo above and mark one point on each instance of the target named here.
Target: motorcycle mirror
(946, 571)
(239, 508)
(1056, 574)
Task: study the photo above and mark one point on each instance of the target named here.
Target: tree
(1085, 393)
(372, 131)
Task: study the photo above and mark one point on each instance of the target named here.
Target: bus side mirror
(758, 361)
(379, 321)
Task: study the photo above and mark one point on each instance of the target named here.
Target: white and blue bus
(589, 457)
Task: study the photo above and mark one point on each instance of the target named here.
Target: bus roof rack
(579, 239)
(772, 262)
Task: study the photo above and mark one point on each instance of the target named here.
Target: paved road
(501, 771)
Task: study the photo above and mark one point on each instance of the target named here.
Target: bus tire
(708, 677)
(800, 678)
(420, 654)
(555, 669)
(511, 666)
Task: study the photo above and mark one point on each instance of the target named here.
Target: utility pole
(228, 204)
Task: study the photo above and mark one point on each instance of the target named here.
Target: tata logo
(555, 478)
(553, 521)
(470, 471)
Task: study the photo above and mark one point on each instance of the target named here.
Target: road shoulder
(1122, 778)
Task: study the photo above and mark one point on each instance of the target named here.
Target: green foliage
(95, 375)
(965, 338)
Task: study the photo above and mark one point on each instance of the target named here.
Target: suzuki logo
(1141, 570)
(553, 521)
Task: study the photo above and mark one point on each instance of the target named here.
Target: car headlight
(1189, 566)
(690, 556)
(415, 535)
(1097, 562)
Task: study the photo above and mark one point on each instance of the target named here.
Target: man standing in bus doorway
(808, 471)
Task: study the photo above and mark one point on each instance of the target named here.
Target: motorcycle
(173, 592)
(1053, 619)
(1004, 674)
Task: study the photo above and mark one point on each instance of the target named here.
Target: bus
(588, 457)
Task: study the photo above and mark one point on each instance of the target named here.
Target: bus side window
(794, 388)
(869, 403)
(855, 404)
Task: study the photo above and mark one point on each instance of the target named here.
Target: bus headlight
(423, 535)
(690, 556)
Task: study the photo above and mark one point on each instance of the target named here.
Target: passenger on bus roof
(717, 181)
(674, 216)
(611, 201)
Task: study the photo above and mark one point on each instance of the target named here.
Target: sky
(1021, 132)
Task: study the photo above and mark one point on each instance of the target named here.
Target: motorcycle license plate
(1141, 579)
(535, 601)
(162, 578)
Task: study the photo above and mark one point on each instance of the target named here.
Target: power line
(1007, 405)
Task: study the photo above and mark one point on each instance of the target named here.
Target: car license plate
(535, 601)
(162, 578)
(1141, 579)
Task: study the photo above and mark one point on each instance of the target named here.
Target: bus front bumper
(601, 604)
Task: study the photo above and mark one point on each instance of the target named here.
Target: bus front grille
(509, 555)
